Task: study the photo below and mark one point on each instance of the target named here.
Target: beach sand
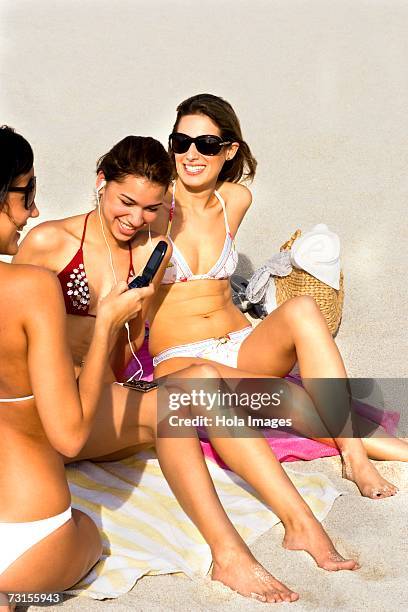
(374, 532)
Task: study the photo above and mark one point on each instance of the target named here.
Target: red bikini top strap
(83, 233)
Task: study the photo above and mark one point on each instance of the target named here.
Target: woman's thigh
(172, 366)
(124, 424)
(58, 561)
(270, 348)
(294, 402)
(126, 420)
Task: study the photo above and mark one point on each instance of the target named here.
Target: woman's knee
(198, 370)
(301, 308)
(207, 370)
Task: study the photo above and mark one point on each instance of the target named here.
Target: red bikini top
(74, 282)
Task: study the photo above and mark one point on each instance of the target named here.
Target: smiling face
(195, 170)
(14, 216)
(129, 205)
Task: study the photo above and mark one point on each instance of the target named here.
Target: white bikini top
(178, 270)
(16, 399)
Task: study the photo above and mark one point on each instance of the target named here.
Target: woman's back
(44, 411)
(27, 458)
(15, 305)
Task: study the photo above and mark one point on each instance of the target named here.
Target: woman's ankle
(224, 556)
(299, 520)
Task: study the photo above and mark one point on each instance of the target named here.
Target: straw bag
(299, 282)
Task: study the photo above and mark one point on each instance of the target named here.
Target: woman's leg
(251, 458)
(182, 462)
(58, 561)
(297, 331)
(378, 444)
(127, 420)
(122, 425)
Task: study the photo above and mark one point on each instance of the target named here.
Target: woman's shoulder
(49, 237)
(28, 282)
(236, 195)
(45, 235)
(53, 232)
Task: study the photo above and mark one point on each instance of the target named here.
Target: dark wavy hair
(243, 165)
(139, 156)
(16, 159)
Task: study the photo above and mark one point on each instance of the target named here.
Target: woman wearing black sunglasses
(44, 544)
(205, 207)
(194, 318)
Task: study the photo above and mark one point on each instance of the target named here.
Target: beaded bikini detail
(78, 288)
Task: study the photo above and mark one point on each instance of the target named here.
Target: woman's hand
(122, 304)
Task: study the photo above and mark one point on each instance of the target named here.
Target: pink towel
(145, 359)
(286, 446)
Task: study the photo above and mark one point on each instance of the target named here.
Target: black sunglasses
(206, 145)
(29, 192)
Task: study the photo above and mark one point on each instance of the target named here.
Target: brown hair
(137, 155)
(242, 166)
(16, 159)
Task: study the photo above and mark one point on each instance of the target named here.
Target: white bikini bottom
(222, 350)
(17, 538)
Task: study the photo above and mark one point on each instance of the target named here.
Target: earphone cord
(140, 370)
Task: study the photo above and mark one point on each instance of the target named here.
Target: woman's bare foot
(240, 571)
(309, 535)
(363, 473)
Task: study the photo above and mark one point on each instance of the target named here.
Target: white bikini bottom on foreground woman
(222, 350)
(17, 538)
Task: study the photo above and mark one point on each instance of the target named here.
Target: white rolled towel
(318, 252)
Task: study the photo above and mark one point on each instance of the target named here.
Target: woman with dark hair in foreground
(45, 545)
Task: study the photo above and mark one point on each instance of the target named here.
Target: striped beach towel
(144, 529)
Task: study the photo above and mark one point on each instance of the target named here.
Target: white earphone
(139, 372)
(100, 186)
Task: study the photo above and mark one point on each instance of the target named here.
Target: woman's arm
(122, 353)
(238, 199)
(67, 411)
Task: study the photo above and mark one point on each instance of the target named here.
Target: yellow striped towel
(144, 529)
